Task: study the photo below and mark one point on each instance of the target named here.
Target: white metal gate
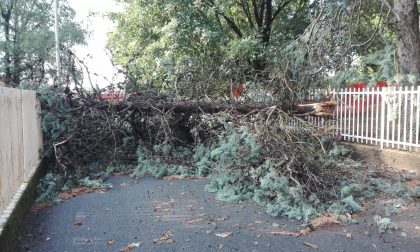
(388, 117)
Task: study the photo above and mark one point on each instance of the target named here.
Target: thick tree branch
(268, 21)
(316, 109)
(245, 7)
(231, 23)
(257, 16)
(280, 9)
(261, 11)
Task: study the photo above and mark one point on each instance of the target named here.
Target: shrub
(384, 224)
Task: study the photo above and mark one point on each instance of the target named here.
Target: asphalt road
(178, 215)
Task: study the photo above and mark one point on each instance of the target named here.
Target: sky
(99, 25)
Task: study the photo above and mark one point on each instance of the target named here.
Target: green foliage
(340, 150)
(158, 162)
(176, 46)
(394, 189)
(345, 205)
(56, 116)
(201, 159)
(27, 40)
(235, 151)
(384, 224)
(52, 184)
(357, 191)
(352, 206)
(94, 183)
(194, 48)
(239, 168)
(117, 168)
(415, 192)
(391, 209)
(282, 199)
(48, 188)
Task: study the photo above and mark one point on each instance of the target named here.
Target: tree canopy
(195, 47)
(27, 39)
(165, 43)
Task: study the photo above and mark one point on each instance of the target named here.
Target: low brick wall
(14, 216)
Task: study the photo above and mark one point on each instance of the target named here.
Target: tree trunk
(15, 78)
(7, 44)
(323, 109)
(407, 16)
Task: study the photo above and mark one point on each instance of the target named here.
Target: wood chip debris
(191, 206)
(78, 191)
(311, 245)
(194, 221)
(324, 220)
(223, 218)
(224, 234)
(130, 246)
(78, 223)
(401, 207)
(164, 206)
(165, 237)
(303, 232)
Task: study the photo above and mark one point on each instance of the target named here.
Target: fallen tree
(322, 109)
(79, 127)
(248, 151)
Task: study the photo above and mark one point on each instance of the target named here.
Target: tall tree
(163, 43)
(27, 39)
(286, 45)
(407, 17)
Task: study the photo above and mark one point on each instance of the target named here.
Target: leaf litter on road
(165, 237)
(78, 191)
(78, 223)
(194, 221)
(130, 246)
(311, 245)
(302, 232)
(224, 234)
(314, 224)
(164, 206)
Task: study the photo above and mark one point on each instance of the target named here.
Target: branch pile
(249, 151)
(81, 128)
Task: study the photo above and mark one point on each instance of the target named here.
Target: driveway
(178, 215)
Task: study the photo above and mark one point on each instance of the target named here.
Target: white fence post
(382, 96)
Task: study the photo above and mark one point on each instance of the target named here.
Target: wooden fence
(20, 140)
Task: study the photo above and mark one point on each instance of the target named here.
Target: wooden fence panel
(31, 130)
(20, 140)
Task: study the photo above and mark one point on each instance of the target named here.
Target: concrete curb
(399, 160)
(13, 218)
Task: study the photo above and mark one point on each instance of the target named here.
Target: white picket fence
(386, 117)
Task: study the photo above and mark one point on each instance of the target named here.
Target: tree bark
(323, 109)
(6, 15)
(407, 16)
